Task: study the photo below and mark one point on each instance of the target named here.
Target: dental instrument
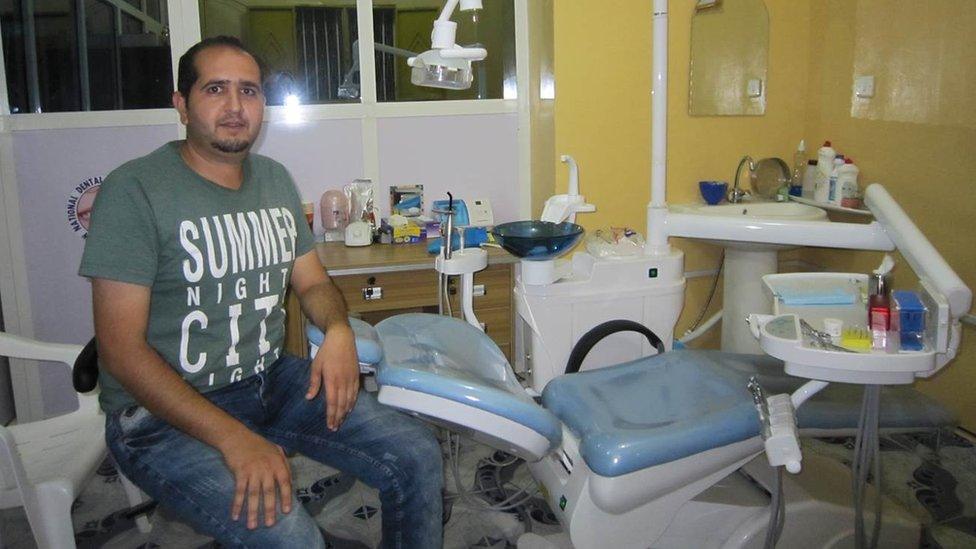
(463, 262)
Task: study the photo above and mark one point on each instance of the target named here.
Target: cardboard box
(409, 234)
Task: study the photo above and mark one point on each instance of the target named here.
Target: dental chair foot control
(782, 444)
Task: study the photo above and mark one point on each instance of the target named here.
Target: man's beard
(231, 145)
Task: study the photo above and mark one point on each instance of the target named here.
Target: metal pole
(117, 46)
(30, 57)
(82, 27)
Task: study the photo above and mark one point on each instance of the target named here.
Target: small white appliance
(479, 213)
(358, 233)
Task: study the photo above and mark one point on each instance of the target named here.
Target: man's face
(224, 110)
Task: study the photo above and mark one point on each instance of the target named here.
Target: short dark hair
(187, 75)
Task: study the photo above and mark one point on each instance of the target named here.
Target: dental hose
(711, 293)
(510, 502)
(697, 327)
(867, 457)
(777, 511)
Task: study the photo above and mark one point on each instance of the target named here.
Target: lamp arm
(448, 10)
(393, 50)
(354, 68)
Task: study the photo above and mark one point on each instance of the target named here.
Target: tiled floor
(938, 487)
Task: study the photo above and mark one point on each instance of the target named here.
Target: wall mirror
(729, 58)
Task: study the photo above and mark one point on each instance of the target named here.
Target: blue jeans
(380, 446)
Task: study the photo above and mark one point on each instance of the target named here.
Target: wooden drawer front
(498, 324)
(497, 282)
(296, 344)
(401, 289)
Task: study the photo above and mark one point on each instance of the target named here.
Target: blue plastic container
(910, 319)
(713, 192)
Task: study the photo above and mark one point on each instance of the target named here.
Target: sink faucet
(736, 194)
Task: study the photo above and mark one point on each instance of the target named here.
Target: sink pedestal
(752, 233)
(744, 293)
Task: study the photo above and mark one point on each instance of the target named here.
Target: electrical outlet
(864, 87)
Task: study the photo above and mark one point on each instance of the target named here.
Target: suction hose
(595, 335)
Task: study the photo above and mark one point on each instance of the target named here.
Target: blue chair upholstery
(448, 358)
(368, 348)
(662, 408)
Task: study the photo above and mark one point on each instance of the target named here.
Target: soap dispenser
(879, 305)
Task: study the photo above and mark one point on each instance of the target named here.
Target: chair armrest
(21, 347)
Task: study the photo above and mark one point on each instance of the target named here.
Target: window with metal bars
(86, 55)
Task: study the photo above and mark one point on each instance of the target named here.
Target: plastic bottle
(879, 306)
(809, 178)
(825, 165)
(833, 191)
(848, 192)
(799, 166)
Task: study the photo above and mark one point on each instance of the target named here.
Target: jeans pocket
(139, 428)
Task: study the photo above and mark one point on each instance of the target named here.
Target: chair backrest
(84, 374)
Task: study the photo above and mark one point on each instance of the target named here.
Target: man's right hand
(260, 469)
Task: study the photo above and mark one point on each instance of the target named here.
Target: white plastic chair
(45, 464)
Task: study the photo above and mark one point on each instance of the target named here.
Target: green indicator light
(562, 503)
(652, 273)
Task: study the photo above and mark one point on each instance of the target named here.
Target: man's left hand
(336, 367)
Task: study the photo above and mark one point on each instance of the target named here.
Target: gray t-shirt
(217, 261)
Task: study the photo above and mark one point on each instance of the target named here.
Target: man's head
(220, 97)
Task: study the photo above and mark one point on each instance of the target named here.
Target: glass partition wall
(97, 55)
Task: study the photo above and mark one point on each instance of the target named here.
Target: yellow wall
(602, 119)
(603, 114)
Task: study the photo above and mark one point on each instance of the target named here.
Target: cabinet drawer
(296, 344)
(495, 288)
(497, 323)
(393, 290)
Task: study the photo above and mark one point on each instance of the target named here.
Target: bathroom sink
(760, 210)
(751, 233)
(784, 212)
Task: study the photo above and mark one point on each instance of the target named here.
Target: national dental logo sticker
(80, 203)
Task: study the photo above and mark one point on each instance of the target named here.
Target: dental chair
(643, 453)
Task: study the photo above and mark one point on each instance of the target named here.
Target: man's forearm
(154, 385)
(324, 305)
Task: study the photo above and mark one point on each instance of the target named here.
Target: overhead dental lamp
(446, 65)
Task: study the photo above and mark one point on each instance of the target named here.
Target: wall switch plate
(754, 87)
(864, 86)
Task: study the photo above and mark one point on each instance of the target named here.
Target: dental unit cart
(664, 451)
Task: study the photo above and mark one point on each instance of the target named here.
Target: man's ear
(179, 103)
